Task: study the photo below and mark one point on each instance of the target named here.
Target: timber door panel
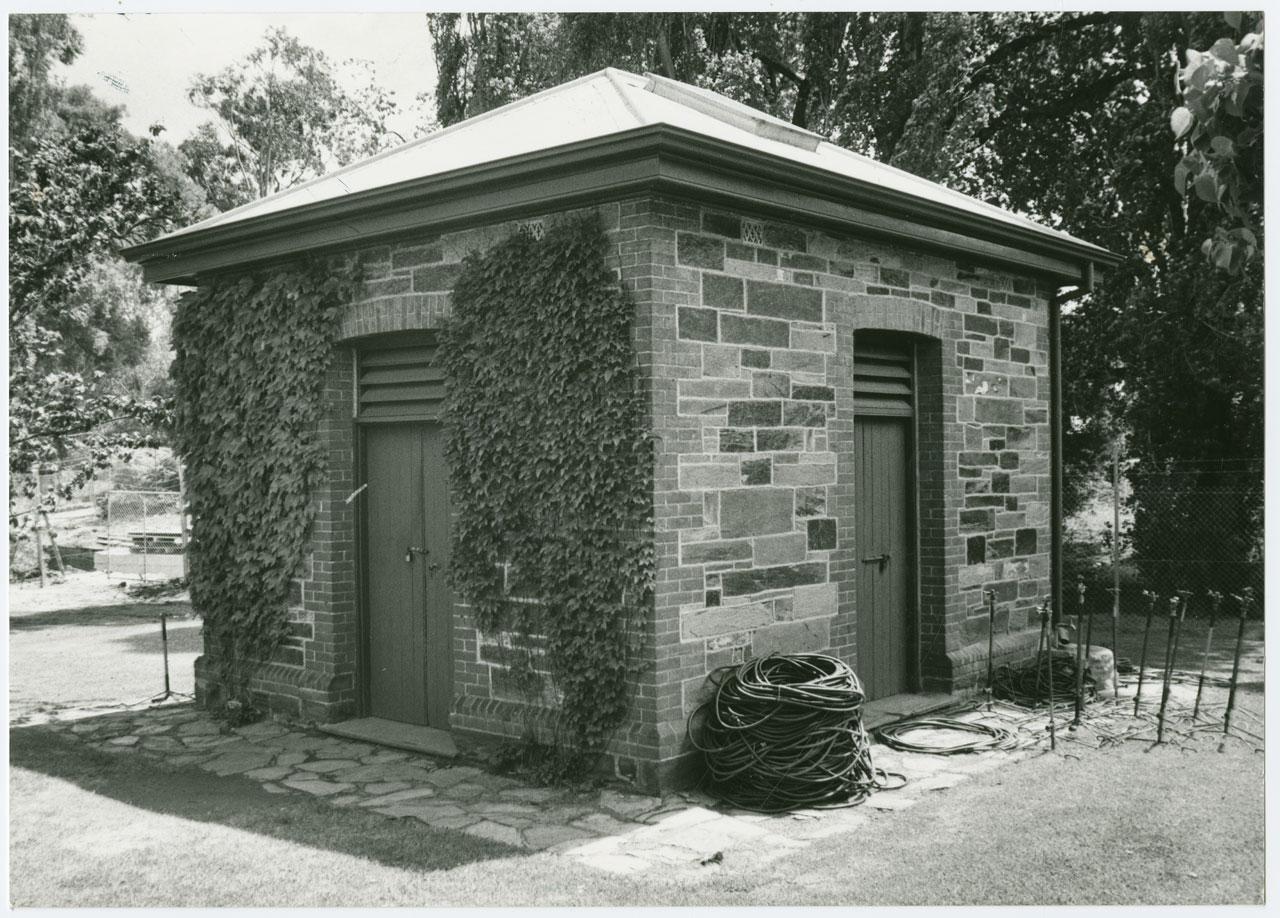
(408, 605)
(886, 569)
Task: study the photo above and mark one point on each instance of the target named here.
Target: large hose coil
(784, 732)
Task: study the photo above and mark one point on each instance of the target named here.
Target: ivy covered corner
(527, 427)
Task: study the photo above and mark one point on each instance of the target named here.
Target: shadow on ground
(128, 613)
(185, 639)
(236, 802)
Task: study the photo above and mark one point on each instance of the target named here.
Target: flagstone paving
(609, 829)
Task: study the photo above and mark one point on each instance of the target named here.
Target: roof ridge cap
(729, 111)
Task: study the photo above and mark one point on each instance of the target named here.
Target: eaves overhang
(659, 159)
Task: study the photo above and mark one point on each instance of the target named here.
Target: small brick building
(847, 370)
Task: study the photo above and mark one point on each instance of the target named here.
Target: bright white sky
(146, 61)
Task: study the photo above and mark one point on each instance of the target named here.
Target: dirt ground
(85, 643)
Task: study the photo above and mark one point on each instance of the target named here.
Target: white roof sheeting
(595, 106)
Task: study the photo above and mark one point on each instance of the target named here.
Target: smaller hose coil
(985, 737)
(784, 732)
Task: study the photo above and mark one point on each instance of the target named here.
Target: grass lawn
(1117, 826)
(85, 642)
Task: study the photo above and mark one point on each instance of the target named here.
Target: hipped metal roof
(607, 135)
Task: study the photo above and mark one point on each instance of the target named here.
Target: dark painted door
(408, 604)
(886, 573)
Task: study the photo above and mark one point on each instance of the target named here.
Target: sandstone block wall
(744, 335)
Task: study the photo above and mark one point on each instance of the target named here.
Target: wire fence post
(145, 538)
(1115, 564)
(182, 522)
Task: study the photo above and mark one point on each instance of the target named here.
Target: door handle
(882, 560)
(413, 550)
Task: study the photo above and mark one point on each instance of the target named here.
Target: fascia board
(655, 157)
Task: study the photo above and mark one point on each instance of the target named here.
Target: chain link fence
(146, 535)
(1186, 538)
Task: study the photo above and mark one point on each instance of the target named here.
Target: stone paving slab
(610, 829)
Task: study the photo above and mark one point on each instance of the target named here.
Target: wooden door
(886, 568)
(406, 551)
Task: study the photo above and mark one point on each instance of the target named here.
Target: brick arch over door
(388, 314)
(938, 377)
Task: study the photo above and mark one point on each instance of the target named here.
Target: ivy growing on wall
(251, 353)
(550, 466)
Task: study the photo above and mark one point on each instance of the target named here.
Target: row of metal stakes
(1177, 615)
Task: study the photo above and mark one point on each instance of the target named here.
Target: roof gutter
(658, 158)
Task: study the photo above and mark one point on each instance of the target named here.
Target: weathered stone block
(779, 440)
(752, 358)
(747, 330)
(717, 550)
(721, 291)
(998, 411)
(980, 324)
(804, 414)
(812, 339)
(814, 601)
(724, 620)
(784, 237)
(1026, 541)
(697, 324)
(756, 511)
(975, 550)
(805, 474)
(756, 471)
(892, 277)
(811, 501)
(736, 441)
(809, 636)
(722, 225)
(701, 477)
(741, 583)
(770, 385)
(999, 548)
(784, 301)
(977, 520)
(800, 362)
(822, 534)
(787, 548)
(814, 393)
(755, 414)
(700, 251)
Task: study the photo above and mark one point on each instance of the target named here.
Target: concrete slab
(887, 710)
(381, 732)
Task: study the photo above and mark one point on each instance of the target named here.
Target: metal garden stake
(1244, 602)
(991, 641)
(1075, 722)
(1215, 603)
(1045, 641)
(1142, 660)
(1170, 641)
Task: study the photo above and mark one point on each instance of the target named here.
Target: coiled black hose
(784, 732)
(1027, 684)
(898, 736)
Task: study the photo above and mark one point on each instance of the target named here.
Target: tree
(1220, 124)
(1060, 116)
(80, 187)
(282, 117)
(35, 44)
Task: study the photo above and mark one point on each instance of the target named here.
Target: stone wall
(753, 405)
(744, 336)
